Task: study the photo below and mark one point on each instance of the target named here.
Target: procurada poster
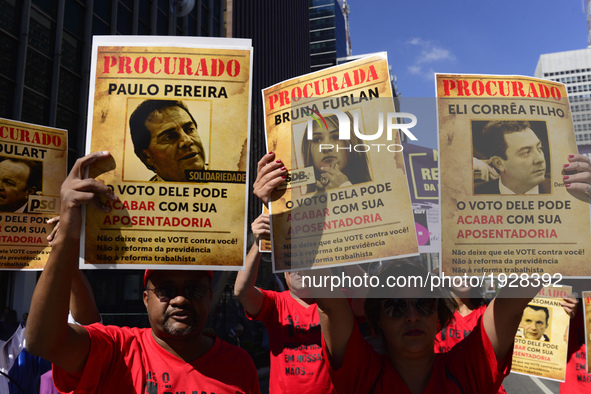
(346, 200)
(541, 342)
(33, 161)
(503, 141)
(175, 114)
(587, 316)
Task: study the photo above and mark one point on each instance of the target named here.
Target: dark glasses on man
(396, 308)
(166, 293)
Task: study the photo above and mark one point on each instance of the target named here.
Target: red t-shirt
(128, 360)
(577, 379)
(297, 365)
(471, 365)
(459, 328)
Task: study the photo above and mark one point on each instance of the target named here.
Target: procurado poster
(33, 162)
(503, 141)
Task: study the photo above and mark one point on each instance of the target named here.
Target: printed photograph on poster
(503, 143)
(517, 151)
(541, 341)
(334, 163)
(346, 198)
(33, 162)
(168, 159)
(175, 115)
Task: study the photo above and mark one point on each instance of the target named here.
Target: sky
(422, 37)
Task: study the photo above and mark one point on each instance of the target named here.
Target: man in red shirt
(173, 355)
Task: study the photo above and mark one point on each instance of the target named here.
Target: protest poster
(346, 199)
(33, 161)
(175, 114)
(587, 319)
(517, 218)
(422, 170)
(541, 342)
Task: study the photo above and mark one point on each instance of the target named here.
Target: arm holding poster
(48, 334)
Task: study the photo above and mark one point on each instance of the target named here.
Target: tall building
(572, 68)
(329, 33)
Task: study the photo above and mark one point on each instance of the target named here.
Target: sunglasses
(396, 308)
(167, 293)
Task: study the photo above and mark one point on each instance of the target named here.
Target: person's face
(525, 166)
(533, 323)
(13, 185)
(328, 157)
(175, 145)
(411, 335)
(181, 316)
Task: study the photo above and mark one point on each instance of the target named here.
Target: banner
(175, 114)
(346, 200)
(33, 161)
(503, 141)
(541, 342)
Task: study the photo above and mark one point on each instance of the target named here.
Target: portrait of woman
(336, 162)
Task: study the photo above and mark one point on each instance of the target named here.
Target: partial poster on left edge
(33, 161)
(175, 114)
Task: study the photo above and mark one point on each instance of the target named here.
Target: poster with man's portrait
(175, 114)
(33, 162)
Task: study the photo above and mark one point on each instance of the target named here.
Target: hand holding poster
(346, 199)
(32, 168)
(503, 143)
(175, 114)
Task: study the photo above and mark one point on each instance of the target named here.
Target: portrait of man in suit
(517, 154)
(19, 178)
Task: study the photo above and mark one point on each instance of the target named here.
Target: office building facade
(329, 36)
(573, 68)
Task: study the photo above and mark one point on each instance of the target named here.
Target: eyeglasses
(167, 293)
(396, 308)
